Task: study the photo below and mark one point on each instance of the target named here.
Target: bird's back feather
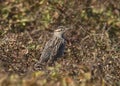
(53, 49)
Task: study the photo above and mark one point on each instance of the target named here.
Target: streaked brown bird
(54, 48)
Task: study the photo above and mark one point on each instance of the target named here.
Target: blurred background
(92, 54)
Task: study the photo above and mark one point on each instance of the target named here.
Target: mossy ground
(92, 54)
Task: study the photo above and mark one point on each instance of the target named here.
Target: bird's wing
(51, 49)
(46, 53)
(58, 45)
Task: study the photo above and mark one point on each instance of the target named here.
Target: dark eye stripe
(60, 28)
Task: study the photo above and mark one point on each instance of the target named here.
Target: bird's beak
(67, 28)
(70, 27)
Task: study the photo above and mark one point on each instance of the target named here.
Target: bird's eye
(62, 29)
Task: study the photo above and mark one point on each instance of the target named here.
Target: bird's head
(60, 31)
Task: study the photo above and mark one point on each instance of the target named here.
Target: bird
(55, 47)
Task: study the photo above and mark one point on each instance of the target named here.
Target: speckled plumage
(54, 48)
